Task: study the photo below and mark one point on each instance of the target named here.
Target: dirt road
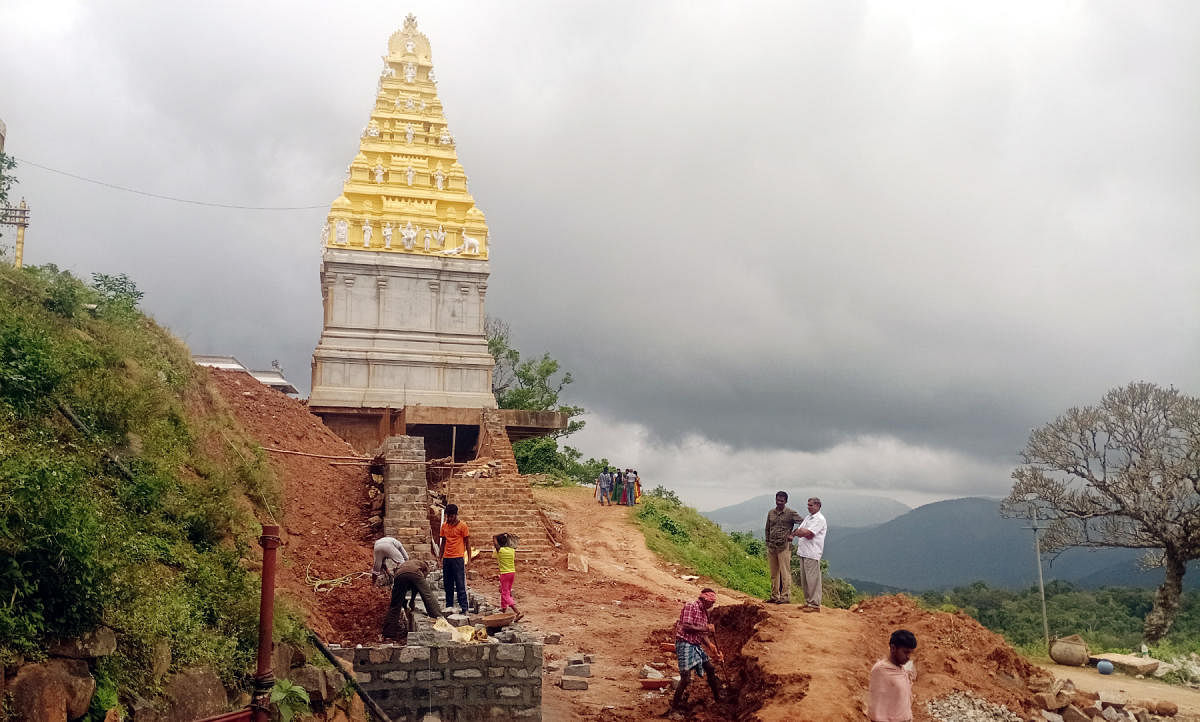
(781, 663)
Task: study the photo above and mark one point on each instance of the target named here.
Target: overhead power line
(160, 196)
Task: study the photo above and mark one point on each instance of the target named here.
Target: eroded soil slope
(325, 509)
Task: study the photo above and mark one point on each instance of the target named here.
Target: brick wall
(457, 682)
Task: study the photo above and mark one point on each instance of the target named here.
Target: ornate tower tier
(404, 265)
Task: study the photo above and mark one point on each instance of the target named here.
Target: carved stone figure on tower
(410, 72)
(387, 235)
(445, 138)
(432, 79)
(366, 234)
(408, 174)
(379, 172)
(409, 45)
(343, 230)
(440, 236)
(439, 178)
(388, 70)
(428, 238)
(469, 244)
(409, 235)
(408, 133)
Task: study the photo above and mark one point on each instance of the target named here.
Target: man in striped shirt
(690, 631)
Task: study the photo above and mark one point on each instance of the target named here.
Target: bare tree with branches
(1124, 473)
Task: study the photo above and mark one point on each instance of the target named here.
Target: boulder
(1166, 708)
(194, 693)
(1051, 716)
(1070, 650)
(313, 680)
(39, 694)
(577, 563)
(578, 670)
(573, 683)
(100, 642)
(1129, 663)
(160, 660)
(552, 638)
(78, 682)
(1074, 714)
(334, 683)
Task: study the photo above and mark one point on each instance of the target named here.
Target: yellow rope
(328, 585)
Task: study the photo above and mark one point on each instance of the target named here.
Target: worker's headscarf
(709, 595)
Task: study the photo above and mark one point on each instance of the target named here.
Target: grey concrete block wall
(406, 498)
(458, 682)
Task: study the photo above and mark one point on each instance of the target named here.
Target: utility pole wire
(166, 197)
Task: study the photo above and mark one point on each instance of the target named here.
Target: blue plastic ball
(1104, 667)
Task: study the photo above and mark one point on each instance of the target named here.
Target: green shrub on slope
(152, 545)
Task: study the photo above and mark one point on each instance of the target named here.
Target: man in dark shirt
(780, 522)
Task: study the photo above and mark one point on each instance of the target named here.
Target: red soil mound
(325, 509)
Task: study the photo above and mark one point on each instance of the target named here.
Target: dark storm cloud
(798, 229)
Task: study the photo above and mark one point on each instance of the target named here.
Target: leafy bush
(154, 546)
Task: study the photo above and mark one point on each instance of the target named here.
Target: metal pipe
(371, 704)
(264, 677)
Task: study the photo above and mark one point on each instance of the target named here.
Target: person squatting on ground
(889, 695)
(506, 559)
(389, 553)
(454, 551)
(408, 579)
(809, 548)
(690, 631)
(780, 521)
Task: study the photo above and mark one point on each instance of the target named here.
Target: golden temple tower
(404, 269)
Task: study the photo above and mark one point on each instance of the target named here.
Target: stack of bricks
(494, 442)
(454, 681)
(406, 511)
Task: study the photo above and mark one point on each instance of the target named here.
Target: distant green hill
(842, 510)
(959, 541)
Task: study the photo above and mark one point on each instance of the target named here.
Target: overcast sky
(780, 245)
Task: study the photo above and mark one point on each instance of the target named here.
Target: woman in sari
(618, 487)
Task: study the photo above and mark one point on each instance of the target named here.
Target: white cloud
(709, 474)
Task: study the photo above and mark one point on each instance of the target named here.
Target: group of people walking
(614, 486)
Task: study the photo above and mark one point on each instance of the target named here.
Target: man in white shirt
(811, 536)
(389, 554)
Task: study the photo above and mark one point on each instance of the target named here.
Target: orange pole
(264, 678)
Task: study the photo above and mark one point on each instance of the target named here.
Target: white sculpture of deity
(373, 130)
(445, 138)
(325, 233)
(366, 234)
(469, 244)
(343, 230)
(440, 237)
(410, 72)
(432, 79)
(409, 235)
(408, 133)
(408, 174)
(439, 179)
(388, 70)
(387, 235)
(428, 238)
(379, 172)
(409, 45)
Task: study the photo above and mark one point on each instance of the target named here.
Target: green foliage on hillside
(137, 515)
(1110, 619)
(738, 561)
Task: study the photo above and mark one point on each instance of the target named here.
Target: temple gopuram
(404, 274)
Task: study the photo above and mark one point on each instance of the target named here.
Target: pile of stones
(1062, 702)
(962, 707)
(578, 669)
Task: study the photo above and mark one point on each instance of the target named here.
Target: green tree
(536, 385)
(1124, 473)
(7, 181)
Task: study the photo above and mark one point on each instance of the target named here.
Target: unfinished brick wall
(457, 682)
(406, 493)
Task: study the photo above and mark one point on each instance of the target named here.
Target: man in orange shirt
(454, 550)
(889, 696)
